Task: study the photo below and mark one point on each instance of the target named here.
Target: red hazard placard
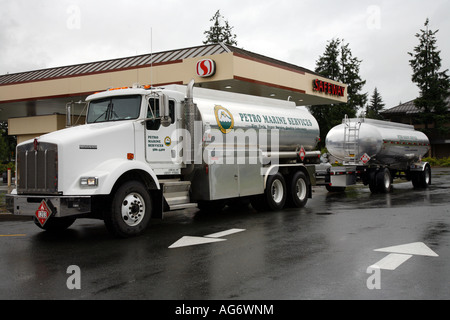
(43, 213)
(302, 153)
(365, 158)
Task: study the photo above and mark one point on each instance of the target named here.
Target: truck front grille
(37, 168)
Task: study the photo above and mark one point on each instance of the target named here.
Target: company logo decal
(167, 141)
(224, 119)
(206, 68)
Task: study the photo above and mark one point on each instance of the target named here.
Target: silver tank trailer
(386, 143)
(296, 126)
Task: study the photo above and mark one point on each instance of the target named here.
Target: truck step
(176, 194)
(183, 206)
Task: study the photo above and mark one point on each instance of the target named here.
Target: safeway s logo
(206, 68)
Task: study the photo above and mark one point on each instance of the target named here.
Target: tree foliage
(375, 106)
(7, 143)
(220, 31)
(433, 84)
(337, 63)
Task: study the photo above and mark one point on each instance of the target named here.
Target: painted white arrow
(402, 253)
(415, 248)
(192, 241)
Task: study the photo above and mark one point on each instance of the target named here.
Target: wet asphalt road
(322, 251)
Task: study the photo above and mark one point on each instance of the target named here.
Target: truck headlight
(89, 181)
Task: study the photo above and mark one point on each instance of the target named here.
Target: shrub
(434, 162)
(5, 166)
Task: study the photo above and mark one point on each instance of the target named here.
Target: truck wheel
(383, 181)
(55, 224)
(422, 179)
(275, 193)
(373, 181)
(299, 189)
(130, 210)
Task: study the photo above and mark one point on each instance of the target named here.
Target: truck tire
(383, 181)
(373, 181)
(422, 180)
(299, 189)
(275, 193)
(131, 208)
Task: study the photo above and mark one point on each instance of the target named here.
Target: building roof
(48, 91)
(404, 108)
(139, 61)
(408, 108)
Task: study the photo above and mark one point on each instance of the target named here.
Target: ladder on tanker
(351, 140)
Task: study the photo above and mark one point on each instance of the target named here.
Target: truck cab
(76, 171)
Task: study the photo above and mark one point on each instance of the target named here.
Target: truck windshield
(114, 109)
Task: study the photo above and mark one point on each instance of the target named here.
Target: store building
(34, 102)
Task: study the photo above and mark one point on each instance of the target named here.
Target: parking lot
(354, 245)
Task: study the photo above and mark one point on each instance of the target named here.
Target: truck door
(161, 149)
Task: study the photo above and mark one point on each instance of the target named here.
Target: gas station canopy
(216, 66)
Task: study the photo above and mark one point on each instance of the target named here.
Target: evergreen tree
(375, 107)
(7, 143)
(337, 63)
(434, 85)
(220, 32)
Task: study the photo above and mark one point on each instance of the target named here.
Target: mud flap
(158, 204)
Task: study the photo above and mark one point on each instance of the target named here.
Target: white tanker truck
(375, 152)
(144, 151)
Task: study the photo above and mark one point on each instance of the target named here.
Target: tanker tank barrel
(383, 142)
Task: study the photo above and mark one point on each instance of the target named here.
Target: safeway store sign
(328, 88)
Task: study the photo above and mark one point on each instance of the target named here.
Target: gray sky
(49, 33)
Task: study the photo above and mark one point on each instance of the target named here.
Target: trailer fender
(418, 166)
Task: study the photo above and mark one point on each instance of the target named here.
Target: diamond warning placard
(365, 158)
(43, 213)
(302, 153)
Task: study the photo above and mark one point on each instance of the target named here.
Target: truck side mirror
(164, 110)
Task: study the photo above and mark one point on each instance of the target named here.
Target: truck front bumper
(61, 206)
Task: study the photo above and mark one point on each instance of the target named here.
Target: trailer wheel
(130, 210)
(373, 181)
(383, 181)
(299, 189)
(422, 179)
(275, 192)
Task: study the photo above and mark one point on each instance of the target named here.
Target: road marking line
(415, 248)
(224, 233)
(192, 241)
(213, 237)
(391, 261)
(12, 235)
